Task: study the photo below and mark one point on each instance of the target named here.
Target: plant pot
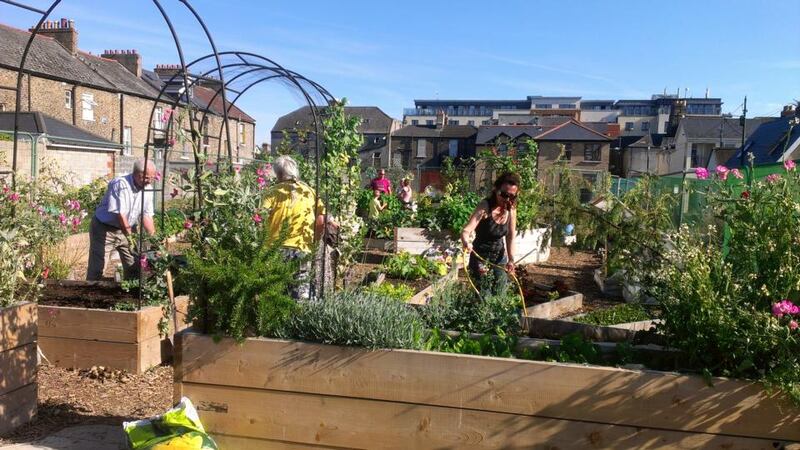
(264, 393)
(18, 361)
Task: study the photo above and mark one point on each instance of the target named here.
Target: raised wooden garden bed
(556, 329)
(416, 240)
(423, 296)
(81, 337)
(570, 302)
(289, 394)
(18, 360)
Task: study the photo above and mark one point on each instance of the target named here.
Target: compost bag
(177, 429)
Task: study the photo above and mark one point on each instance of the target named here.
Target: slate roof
(651, 140)
(488, 133)
(448, 131)
(48, 58)
(57, 131)
(572, 131)
(202, 97)
(699, 127)
(767, 142)
(374, 120)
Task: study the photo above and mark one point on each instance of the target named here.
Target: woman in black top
(495, 225)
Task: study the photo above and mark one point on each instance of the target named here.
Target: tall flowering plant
(728, 291)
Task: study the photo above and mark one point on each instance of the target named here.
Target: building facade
(108, 96)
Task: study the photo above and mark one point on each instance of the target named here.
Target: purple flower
(789, 165)
(143, 262)
(701, 173)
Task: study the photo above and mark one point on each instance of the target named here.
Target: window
(415, 122)
(666, 127)
(486, 122)
(376, 160)
(429, 122)
(87, 107)
(628, 126)
(127, 141)
(158, 116)
(68, 99)
(422, 148)
(502, 149)
(645, 126)
(241, 134)
(452, 122)
(452, 148)
(567, 155)
(471, 122)
(542, 106)
(591, 152)
(566, 106)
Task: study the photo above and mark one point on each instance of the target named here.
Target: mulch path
(71, 397)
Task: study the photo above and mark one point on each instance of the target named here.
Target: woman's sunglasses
(507, 196)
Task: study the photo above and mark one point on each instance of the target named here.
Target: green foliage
(623, 313)
(172, 222)
(399, 292)
(457, 307)
(394, 215)
(719, 288)
(451, 213)
(245, 287)
(359, 319)
(413, 267)
(499, 345)
(572, 349)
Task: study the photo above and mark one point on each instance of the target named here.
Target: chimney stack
(130, 59)
(63, 31)
(441, 119)
(788, 111)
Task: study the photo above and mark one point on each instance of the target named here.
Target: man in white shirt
(118, 213)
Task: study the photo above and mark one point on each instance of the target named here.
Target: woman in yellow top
(291, 210)
(375, 205)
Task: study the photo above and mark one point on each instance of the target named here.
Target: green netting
(690, 193)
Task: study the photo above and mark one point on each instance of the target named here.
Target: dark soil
(100, 296)
(98, 396)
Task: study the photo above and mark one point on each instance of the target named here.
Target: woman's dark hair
(507, 178)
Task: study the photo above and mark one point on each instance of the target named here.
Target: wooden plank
(91, 324)
(17, 367)
(17, 407)
(342, 421)
(151, 352)
(591, 393)
(18, 325)
(557, 308)
(82, 353)
(245, 443)
(416, 240)
(422, 297)
(556, 329)
(150, 317)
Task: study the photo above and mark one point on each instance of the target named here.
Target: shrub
(359, 319)
(457, 307)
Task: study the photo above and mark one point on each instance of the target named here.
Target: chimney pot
(64, 23)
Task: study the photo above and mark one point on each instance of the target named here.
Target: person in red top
(381, 183)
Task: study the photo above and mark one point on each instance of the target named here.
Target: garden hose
(513, 277)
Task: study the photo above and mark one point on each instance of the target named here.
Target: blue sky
(389, 53)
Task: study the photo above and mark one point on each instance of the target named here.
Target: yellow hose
(513, 277)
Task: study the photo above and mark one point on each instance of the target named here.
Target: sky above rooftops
(387, 54)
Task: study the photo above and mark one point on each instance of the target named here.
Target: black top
(489, 234)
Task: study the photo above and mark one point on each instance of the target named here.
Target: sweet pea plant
(728, 292)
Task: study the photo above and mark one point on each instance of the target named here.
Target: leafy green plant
(627, 312)
(396, 291)
(172, 222)
(406, 266)
(457, 307)
(359, 319)
(499, 344)
(394, 215)
(450, 213)
(572, 349)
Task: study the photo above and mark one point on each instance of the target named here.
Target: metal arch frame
(279, 72)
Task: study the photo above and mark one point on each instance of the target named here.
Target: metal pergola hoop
(264, 65)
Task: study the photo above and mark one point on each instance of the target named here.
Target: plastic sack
(177, 429)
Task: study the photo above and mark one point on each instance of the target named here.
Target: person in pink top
(381, 183)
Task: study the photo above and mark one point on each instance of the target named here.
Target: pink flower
(789, 165)
(73, 204)
(171, 142)
(785, 307)
(13, 196)
(166, 115)
(773, 178)
(187, 224)
(793, 325)
(158, 176)
(174, 193)
(737, 174)
(701, 173)
(261, 172)
(46, 273)
(237, 169)
(143, 262)
(62, 218)
(262, 182)
(722, 172)
(6, 189)
(256, 218)
(76, 221)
